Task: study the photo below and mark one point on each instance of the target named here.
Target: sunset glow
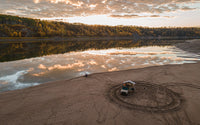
(183, 13)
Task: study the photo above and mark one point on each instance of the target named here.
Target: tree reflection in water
(23, 50)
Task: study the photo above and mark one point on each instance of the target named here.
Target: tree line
(14, 26)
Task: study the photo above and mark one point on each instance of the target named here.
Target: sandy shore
(84, 101)
(190, 46)
(164, 95)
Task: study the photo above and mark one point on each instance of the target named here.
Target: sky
(151, 13)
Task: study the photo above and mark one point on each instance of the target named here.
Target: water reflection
(23, 50)
(33, 71)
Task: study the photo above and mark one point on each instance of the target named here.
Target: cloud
(113, 69)
(113, 8)
(68, 66)
(137, 16)
(125, 16)
(41, 66)
(154, 16)
(92, 62)
(185, 8)
(45, 69)
(135, 53)
(63, 67)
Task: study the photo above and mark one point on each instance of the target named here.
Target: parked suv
(127, 87)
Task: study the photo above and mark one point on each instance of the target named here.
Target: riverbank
(192, 46)
(56, 39)
(85, 100)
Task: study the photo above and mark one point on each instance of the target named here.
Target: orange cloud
(112, 8)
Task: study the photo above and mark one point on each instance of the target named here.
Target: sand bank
(85, 101)
(190, 46)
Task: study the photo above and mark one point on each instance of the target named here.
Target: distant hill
(14, 26)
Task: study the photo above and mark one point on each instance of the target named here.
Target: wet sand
(190, 46)
(164, 95)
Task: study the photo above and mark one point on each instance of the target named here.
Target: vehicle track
(170, 101)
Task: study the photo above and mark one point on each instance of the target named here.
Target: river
(26, 64)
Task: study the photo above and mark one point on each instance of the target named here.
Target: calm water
(28, 64)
